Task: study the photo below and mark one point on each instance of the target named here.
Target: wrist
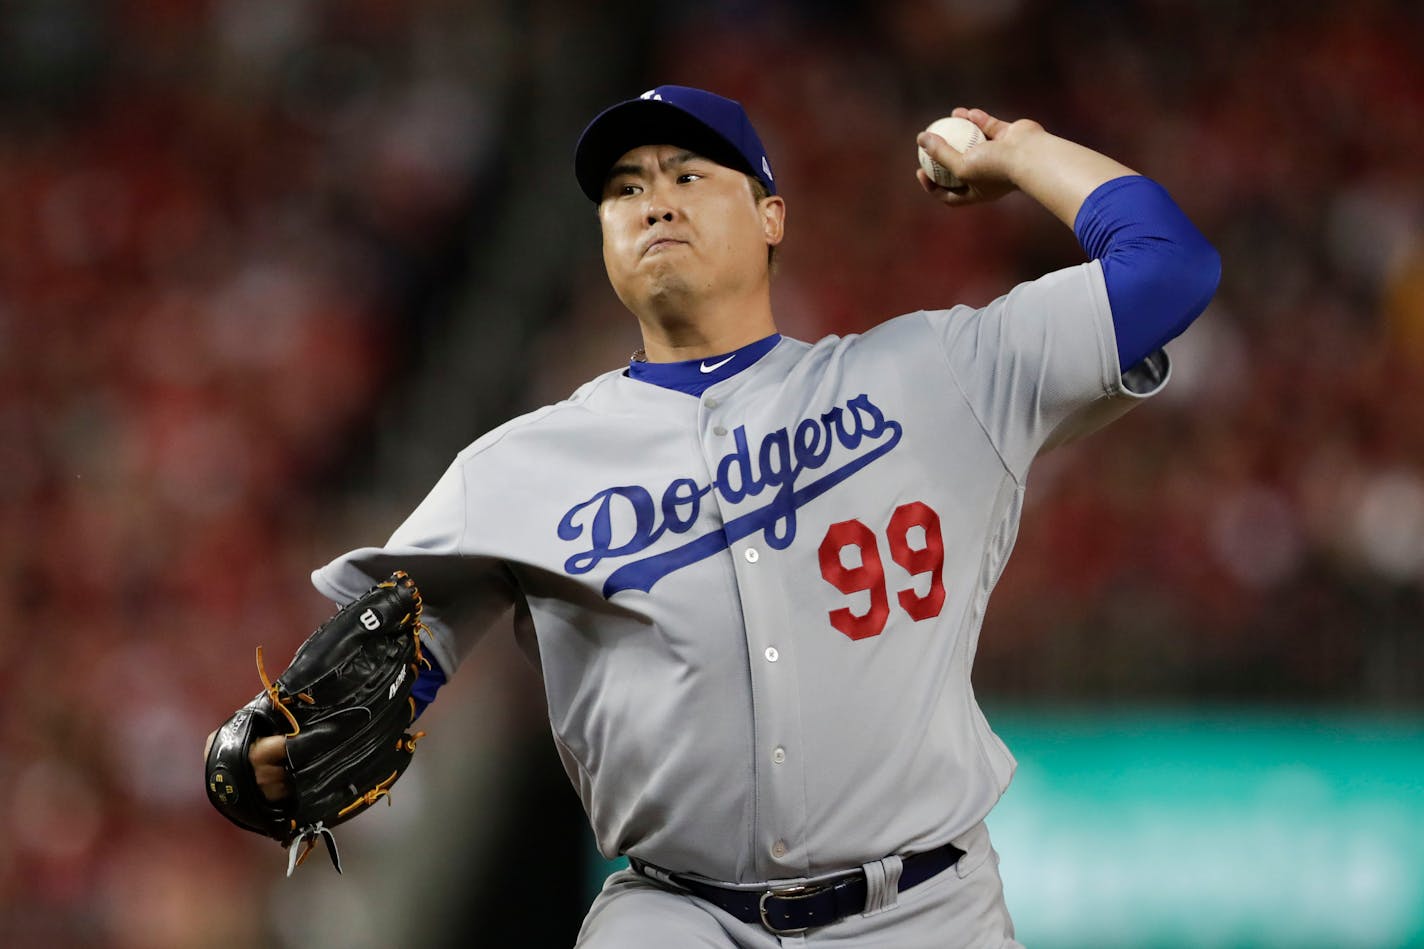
(1027, 152)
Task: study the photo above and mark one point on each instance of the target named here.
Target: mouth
(661, 244)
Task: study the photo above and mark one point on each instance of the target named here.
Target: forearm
(1060, 174)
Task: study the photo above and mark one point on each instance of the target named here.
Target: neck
(673, 336)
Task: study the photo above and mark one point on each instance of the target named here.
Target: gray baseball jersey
(755, 610)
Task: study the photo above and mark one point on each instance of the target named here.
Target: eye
(687, 177)
(621, 189)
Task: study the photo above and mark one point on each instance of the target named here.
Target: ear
(773, 218)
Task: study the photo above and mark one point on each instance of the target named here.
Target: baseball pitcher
(754, 569)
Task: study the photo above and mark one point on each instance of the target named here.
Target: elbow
(1186, 281)
(1159, 294)
(1203, 273)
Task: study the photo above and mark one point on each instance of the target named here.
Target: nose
(659, 208)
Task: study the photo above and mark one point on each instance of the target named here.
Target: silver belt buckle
(799, 891)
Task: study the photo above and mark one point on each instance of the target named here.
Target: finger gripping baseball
(961, 135)
(344, 704)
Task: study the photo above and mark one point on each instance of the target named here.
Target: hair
(760, 194)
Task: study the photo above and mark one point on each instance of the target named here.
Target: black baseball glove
(345, 705)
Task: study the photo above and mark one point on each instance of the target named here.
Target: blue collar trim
(694, 376)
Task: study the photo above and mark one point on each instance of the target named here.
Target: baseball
(962, 135)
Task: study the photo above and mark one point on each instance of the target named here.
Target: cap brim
(628, 125)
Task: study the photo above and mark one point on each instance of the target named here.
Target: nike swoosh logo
(717, 365)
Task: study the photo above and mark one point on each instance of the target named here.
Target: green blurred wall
(1192, 828)
(1224, 828)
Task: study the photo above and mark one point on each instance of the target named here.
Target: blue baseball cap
(694, 119)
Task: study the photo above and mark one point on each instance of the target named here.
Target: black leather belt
(788, 910)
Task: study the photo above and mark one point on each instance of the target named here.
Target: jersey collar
(694, 376)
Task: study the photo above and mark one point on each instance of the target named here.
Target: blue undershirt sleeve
(1159, 269)
(427, 684)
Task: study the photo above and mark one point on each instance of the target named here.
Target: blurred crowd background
(266, 265)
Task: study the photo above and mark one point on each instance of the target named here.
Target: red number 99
(869, 576)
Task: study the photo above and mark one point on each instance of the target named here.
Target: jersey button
(778, 849)
(720, 430)
(779, 755)
(752, 555)
(771, 654)
(711, 403)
